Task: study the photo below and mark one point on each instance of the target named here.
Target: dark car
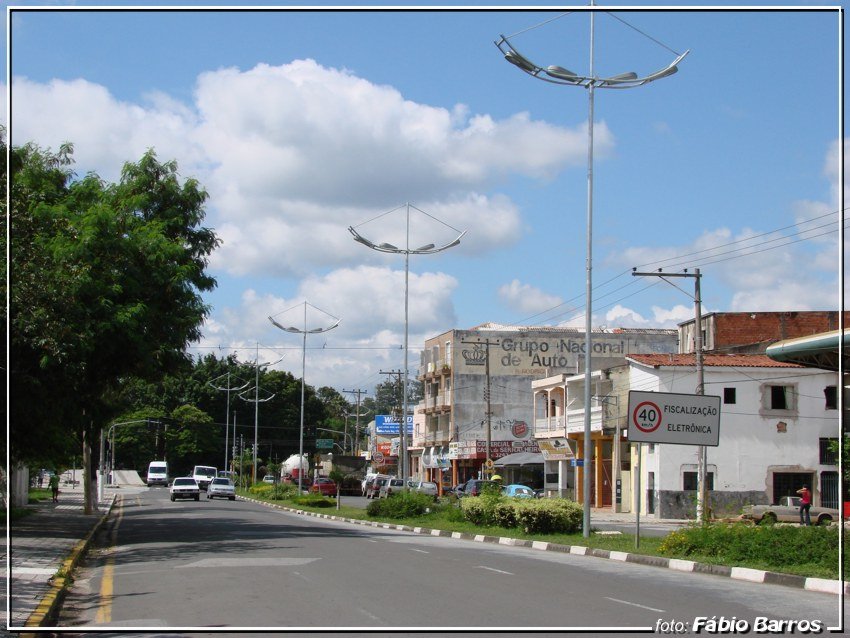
(474, 487)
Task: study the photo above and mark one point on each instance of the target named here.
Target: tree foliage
(106, 283)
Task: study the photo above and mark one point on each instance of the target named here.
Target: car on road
(518, 491)
(268, 478)
(221, 487)
(474, 487)
(424, 487)
(203, 474)
(390, 487)
(185, 487)
(788, 511)
(324, 486)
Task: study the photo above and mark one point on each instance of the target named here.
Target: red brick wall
(745, 328)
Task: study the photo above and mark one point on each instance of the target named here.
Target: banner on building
(556, 449)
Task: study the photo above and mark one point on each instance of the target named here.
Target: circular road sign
(489, 464)
(378, 457)
(646, 417)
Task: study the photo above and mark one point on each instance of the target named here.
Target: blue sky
(302, 123)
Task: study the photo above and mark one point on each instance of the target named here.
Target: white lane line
(421, 551)
(626, 602)
(498, 571)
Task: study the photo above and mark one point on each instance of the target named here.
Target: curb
(49, 603)
(821, 585)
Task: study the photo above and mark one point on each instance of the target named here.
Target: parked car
(373, 489)
(425, 487)
(390, 487)
(324, 486)
(221, 487)
(473, 487)
(518, 491)
(185, 487)
(788, 511)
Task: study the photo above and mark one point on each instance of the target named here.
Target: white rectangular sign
(682, 419)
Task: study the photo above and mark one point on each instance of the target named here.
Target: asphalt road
(221, 564)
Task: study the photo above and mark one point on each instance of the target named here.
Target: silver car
(425, 487)
(185, 487)
(221, 488)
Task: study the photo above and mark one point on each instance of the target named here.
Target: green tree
(106, 284)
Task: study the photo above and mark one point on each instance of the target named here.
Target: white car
(185, 487)
(221, 488)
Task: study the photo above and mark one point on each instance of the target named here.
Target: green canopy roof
(823, 350)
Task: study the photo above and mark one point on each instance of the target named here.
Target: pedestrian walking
(53, 484)
(805, 505)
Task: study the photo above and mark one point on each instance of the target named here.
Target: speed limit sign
(646, 417)
(666, 417)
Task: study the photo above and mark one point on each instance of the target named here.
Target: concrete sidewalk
(52, 538)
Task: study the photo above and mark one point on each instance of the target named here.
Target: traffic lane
(442, 570)
(665, 594)
(369, 578)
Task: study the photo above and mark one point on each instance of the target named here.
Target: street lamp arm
(427, 249)
(559, 75)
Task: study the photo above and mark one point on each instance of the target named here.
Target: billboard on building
(388, 424)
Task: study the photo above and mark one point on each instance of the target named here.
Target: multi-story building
(477, 387)
(778, 420)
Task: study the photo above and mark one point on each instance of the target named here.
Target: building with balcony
(477, 387)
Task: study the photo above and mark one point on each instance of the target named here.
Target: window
(690, 480)
(779, 397)
(828, 451)
(729, 396)
(831, 394)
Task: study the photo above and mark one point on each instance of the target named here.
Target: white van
(157, 473)
(203, 474)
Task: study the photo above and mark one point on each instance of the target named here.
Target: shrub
(283, 491)
(551, 515)
(782, 546)
(261, 490)
(313, 500)
(481, 510)
(403, 504)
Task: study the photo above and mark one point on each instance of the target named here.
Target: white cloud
(527, 299)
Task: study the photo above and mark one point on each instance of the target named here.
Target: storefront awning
(520, 458)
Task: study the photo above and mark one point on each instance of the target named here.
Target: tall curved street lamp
(304, 332)
(257, 401)
(559, 75)
(407, 251)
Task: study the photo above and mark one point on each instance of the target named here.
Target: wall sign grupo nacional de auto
(682, 419)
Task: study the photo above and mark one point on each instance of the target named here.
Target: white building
(776, 422)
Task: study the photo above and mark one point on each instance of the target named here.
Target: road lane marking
(421, 551)
(626, 602)
(107, 583)
(493, 569)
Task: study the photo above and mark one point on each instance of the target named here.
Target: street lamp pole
(427, 249)
(559, 75)
(304, 332)
(228, 389)
(256, 401)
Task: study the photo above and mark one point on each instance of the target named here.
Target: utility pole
(702, 487)
(402, 428)
(356, 446)
(488, 463)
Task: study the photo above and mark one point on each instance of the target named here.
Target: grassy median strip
(802, 551)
